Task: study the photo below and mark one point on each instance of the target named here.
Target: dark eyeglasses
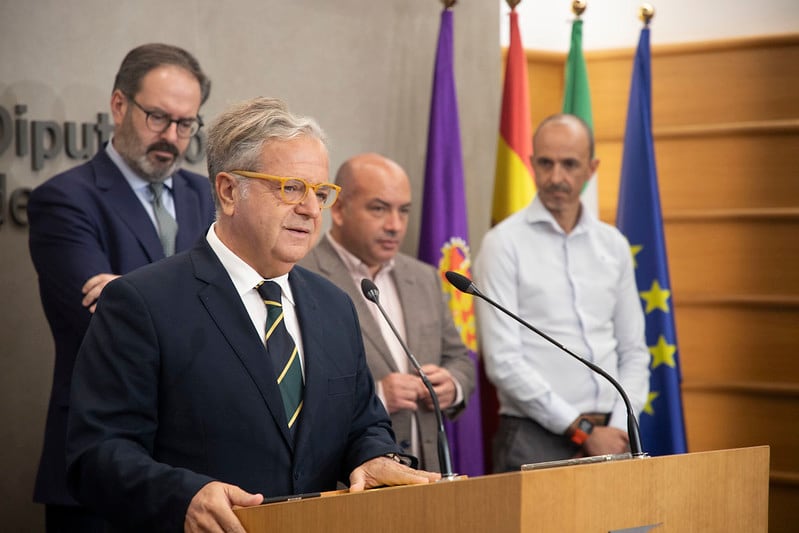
(159, 122)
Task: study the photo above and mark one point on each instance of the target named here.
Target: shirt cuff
(458, 393)
(379, 392)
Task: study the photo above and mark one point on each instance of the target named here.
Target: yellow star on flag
(662, 353)
(648, 409)
(656, 298)
(634, 250)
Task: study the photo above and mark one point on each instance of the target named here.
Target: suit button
(297, 475)
(405, 445)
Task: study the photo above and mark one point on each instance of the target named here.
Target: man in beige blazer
(369, 222)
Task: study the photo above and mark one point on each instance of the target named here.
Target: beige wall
(362, 68)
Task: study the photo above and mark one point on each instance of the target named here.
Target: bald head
(370, 218)
(570, 120)
(562, 164)
(364, 168)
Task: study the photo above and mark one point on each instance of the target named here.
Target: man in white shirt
(561, 269)
(369, 224)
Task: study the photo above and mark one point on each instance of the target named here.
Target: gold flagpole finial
(448, 3)
(646, 13)
(513, 3)
(578, 7)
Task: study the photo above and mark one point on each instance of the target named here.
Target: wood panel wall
(726, 128)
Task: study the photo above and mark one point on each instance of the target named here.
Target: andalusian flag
(639, 218)
(513, 183)
(444, 239)
(577, 101)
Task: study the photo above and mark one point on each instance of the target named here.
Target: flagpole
(449, 3)
(578, 7)
(646, 13)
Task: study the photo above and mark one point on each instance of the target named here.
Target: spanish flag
(513, 183)
(514, 187)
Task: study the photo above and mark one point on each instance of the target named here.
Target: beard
(149, 167)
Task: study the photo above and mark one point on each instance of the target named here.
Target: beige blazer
(431, 336)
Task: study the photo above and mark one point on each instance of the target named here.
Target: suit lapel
(333, 268)
(416, 316)
(314, 356)
(221, 301)
(188, 216)
(126, 204)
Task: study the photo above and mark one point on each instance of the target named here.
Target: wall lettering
(44, 140)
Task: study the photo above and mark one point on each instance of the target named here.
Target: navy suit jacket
(173, 389)
(83, 222)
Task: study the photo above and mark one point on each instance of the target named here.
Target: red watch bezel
(579, 436)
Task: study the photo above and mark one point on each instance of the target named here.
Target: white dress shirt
(578, 288)
(245, 279)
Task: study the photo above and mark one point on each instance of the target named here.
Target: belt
(597, 419)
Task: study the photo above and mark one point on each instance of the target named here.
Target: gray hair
(237, 136)
(142, 59)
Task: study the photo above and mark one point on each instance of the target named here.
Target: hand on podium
(382, 471)
(212, 508)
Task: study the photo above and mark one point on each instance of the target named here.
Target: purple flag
(444, 240)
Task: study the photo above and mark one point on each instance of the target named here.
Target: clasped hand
(406, 391)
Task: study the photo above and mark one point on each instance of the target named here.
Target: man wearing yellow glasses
(224, 375)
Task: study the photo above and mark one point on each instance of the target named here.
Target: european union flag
(639, 218)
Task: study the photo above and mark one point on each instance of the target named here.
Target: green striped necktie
(282, 352)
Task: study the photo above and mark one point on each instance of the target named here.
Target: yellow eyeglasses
(294, 190)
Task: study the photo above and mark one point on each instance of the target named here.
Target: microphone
(371, 292)
(464, 284)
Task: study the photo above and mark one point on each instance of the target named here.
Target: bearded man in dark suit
(97, 221)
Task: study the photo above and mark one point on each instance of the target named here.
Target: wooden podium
(724, 490)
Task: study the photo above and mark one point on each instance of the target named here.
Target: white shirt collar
(244, 277)
(353, 263)
(537, 213)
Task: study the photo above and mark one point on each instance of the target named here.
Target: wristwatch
(394, 457)
(581, 431)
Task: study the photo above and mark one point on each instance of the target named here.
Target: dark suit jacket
(173, 388)
(85, 221)
(432, 336)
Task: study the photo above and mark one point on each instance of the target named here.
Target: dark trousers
(71, 519)
(520, 441)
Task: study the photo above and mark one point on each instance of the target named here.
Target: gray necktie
(167, 225)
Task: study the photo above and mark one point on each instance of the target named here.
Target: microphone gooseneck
(464, 284)
(371, 293)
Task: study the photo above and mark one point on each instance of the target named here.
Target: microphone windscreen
(369, 290)
(460, 282)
